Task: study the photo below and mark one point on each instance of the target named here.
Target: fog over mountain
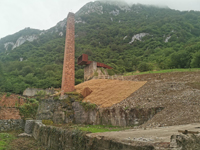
(16, 15)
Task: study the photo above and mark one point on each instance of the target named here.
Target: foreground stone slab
(25, 135)
(166, 137)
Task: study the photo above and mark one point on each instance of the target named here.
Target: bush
(29, 110)
(144, 67)
(110, 72)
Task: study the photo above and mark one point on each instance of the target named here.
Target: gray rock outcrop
(138, 37)
(21, 40)
(6, 45)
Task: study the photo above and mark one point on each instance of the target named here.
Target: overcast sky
(15, 15)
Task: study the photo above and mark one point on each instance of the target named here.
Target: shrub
(29, 110)
(8, 94)
(144, 67)
(110, 72)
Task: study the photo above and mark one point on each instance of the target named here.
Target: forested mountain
(128, 38)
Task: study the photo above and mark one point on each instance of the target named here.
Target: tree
(195, 63)
(26, 70)
(180, 59)
(143, 66)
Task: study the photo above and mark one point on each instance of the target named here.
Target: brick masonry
(68, 77)
(9, 113)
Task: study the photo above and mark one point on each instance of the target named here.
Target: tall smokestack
(68, 76)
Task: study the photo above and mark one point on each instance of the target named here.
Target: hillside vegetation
(128, 38)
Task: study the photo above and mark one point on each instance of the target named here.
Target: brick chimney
(68, 76)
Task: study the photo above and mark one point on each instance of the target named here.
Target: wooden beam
(188, 132)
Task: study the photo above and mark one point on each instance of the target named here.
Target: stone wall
(113, 116)
(59, 111)
(60, 139)
(34, 91)
(7, 125)
(62, 111)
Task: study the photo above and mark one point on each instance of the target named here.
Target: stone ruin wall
(68, 139)
(61, 112)
(91, 69)
(34, 91)
(63, 139)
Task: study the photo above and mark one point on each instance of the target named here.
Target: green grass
(101, 128)
(163, 71)
(5, 140)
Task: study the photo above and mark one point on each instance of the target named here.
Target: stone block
(29, 126)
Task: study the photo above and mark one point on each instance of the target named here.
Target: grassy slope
(100, 128)
(162, 71)
(5, 140)
(10, 141)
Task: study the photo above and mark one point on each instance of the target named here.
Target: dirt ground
(149, 136)
(106, 93)
(177, 92)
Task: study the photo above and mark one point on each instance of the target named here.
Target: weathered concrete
(68, 77)
(7, 125)
(34, 91)
(89, 70)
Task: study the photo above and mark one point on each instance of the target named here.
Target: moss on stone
(47, 122)
(88, 106)
(72, 93)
